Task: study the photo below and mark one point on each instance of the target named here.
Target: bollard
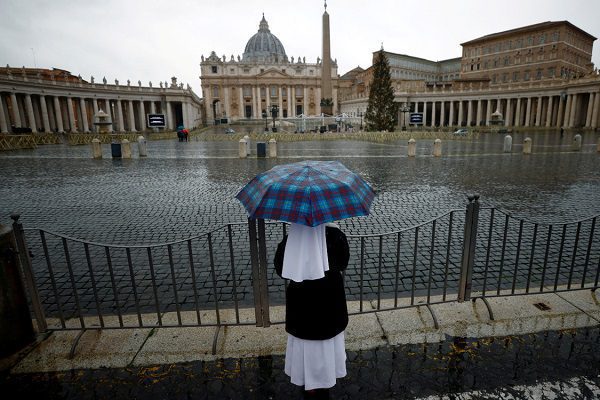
(272, 148)
(248, 149)
(96, 149)
(126, 148)
(412, 148)
(437, 148)
(142, 146)
(243, 144)
(16, 329)
(507, 144)
(527, 146)
(576, 143)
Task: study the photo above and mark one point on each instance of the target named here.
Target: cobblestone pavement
(545, 365)
(183, 190)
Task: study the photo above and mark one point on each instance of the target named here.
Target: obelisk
(326, 91)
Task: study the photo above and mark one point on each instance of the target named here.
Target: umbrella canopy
(310, 193)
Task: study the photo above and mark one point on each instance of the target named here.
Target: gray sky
(152, 40)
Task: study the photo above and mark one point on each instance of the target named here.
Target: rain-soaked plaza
(183, 189)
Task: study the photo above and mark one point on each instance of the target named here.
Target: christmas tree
(381, 110)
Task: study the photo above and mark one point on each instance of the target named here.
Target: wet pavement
(545, 365)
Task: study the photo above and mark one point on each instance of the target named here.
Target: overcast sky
(152, 40)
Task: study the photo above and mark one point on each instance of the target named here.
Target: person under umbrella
(310, 195)
(313, 259)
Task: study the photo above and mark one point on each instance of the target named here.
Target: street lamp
(404, 109)
(274, 111)
(264, 115)
(360, 114)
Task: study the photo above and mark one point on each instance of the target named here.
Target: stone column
(242, 107)
(94, 128)
(433, 114)
(45, 118)
(142, 117)
(227, 107)
(121, 124)
(289, 101)
(305, 100)
(538, 112)
(58, 114)
(15, 107)
(253, 102)
(460, 112)
(488, 112)
(84, 116)
(132, 116)
(3, 120)
(30, 115)
(469, 112)
(508, 117)
(549, 112)
(596, 110)
(186, 115)
(518, 113)
(318, 105)
(442, 114)
(451, 116)
(478, 115)
(425, 113)
(573, 112)
(588, 118)
(280, 102)
(567, 114)
(561, 112)
(259, 101)
(71, 111)
(528, 112)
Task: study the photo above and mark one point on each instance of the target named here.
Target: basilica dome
(264, 46)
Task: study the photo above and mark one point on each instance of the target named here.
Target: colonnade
(55, 113)
(569, 110)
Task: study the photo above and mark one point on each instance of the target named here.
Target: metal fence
(225, 276)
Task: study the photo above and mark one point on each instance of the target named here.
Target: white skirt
(315, 364)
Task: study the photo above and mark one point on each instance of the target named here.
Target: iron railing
(225, 276)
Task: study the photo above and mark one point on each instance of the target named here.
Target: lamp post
(404, 109)
(360, 114)
(264, 115)
(274, 112)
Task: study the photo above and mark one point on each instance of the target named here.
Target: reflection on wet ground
(545, 365)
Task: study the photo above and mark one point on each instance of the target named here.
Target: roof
(528, 28)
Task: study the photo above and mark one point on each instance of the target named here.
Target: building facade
(535, 76)
(54, 100)
(243, 88)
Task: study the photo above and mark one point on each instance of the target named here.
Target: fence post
(16, 329)
(27, 269)
(470, 241)
(258, 257)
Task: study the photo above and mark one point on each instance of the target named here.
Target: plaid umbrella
(308, 192)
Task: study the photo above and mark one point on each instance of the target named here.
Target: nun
(312, 259)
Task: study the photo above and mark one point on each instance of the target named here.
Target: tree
(381, 110)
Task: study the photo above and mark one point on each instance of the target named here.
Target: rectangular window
(555, 36)
(215, 91)
(263, 92)
(515, 77)
(299, 92)
(284, 92)
(273, 91)
(494, 78)
(538, 74)
(526, 78)
(214, 69)
(247, 91)
(505, 77)
(551, 72)
(543, 38)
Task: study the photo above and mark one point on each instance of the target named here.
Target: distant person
(313, 259)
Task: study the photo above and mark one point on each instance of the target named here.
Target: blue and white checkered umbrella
(308, 192)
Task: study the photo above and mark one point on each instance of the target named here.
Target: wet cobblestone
(559, 365)
(186, 189)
